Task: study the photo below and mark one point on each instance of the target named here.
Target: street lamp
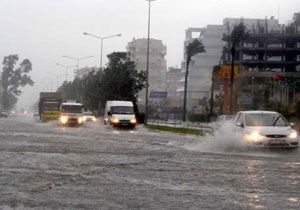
(147, 66)
(57, 78)
(101, 43)
(252, 92)
(67, 68)
(77, 59)
(51, 80)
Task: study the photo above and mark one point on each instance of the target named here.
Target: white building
(200, 69)
(173, 80)
(137, 50)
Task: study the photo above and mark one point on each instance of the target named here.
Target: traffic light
(277, 77)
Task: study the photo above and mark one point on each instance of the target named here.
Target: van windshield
(71, 108)
(122, 110)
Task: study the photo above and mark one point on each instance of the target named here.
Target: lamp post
(57, 78)
(252, 92)
(77, 60)
(67, 68)
(51, 81)
(101, 43)
(147, 65)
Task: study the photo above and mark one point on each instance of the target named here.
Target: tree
(12, 79)
(216, 68)
(121, 80)
(118, 81)
(191, 49)
(296, 21)
(91, 96)
(238, 34)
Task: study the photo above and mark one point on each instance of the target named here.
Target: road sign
(277, 77)
(225, 72)
(158, 94)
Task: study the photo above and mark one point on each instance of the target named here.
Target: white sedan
(265, 129)
(88, 116)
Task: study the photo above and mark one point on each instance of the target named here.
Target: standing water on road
(47, 166)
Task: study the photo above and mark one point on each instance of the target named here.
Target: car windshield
(122, 110)
(265, 119)
(71, 108)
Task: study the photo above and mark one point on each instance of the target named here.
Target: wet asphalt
(45, 166)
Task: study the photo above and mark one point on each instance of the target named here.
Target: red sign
(277, 77)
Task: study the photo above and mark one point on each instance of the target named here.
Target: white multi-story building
(137, 50)
(200, 69)
(173, 80)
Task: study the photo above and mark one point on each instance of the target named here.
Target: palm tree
(238, 34)
(296, 21)
(191, 49)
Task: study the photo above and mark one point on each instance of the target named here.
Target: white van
(71, 114)
(119, 113)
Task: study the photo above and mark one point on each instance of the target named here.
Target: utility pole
(147, 65)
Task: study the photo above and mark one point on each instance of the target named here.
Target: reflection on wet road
(94, 167)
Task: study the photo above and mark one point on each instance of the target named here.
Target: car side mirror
(239, 124)
(292, 125)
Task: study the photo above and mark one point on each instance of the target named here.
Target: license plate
(277, 141)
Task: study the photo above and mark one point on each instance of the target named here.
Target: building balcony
(269, 51)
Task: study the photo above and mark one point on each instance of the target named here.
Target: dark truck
(49, 105)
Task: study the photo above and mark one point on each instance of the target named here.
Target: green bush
(140, 118)
(198, 117)
(285, 111)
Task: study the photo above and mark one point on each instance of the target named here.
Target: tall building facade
(270, 48)
(173, 80)
(200, 69)
(137, 50)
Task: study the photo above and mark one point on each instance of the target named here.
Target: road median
(188, 131)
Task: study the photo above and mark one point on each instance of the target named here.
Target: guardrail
(180, 124)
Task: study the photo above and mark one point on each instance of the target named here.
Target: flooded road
(44, 166)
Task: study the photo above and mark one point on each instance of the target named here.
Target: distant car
(265, 129)
(3, 114)
(88, 116)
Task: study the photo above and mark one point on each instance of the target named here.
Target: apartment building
(137, 50)
(200, 69)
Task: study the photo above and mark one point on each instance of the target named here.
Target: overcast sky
(44, 30)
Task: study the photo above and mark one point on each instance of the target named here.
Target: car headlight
(254, 137)
(84, 119)
(133, 121)
(80, 120)
(63, 119)
(115, 120)
(293, 135)
(94, 119)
